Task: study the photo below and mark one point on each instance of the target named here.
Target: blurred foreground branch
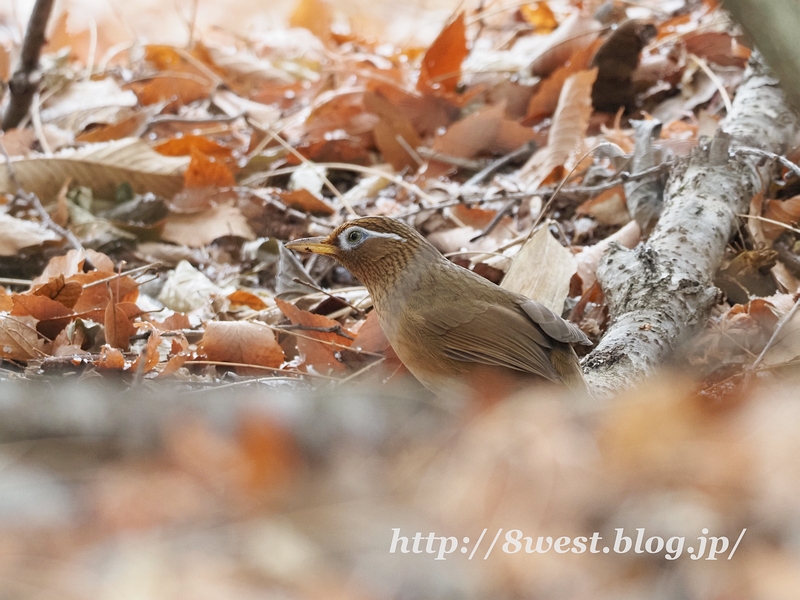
(773, 26)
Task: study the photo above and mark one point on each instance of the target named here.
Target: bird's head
(374, 249)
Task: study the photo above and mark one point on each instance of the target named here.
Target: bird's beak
(317, 245)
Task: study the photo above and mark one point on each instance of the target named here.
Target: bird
(444, 322)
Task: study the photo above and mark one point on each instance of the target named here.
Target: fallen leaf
(19, 339)
(306, 202)
(184, 145)
(565, 139)
(52, 316)
(440, 71)
(207, 172)
(575, 33)
(241, 342)
(101, 167)
(149, 358)
(16, 234)
(540, 16)
(243, 298)
(67, 293)
(542, 271)
(314, 15)
(118, 323)
(110, 359)
(608, 207)
(201, 228)
(315, 348)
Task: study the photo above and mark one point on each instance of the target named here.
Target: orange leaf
(314, 346)
(53, 316)
(174, 322)
(204, 172)
(110, 359)
(569, 127)
(67, 293)
(249, 299)
(306, 202)
(545, 101)
(540, 16)
(149, 354)
(786, 211)
(441, 65)
(5, 300)
(241, 342)
(370, 336)
(182, 146)
(118, 325)
(314, 15)
(608, 207)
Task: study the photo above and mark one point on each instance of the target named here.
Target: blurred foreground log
(662, 291)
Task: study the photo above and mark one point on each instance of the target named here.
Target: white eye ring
(355, 236)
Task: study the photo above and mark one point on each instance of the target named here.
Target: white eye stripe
(366, 233)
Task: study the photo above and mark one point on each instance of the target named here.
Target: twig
(456, 161)
(490, 169)
(765, 154)
(316, 288)
(26, 78)
(337, 329)
(495, 220)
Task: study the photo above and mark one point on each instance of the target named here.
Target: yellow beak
(317, 245)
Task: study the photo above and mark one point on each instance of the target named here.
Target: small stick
(26, 79)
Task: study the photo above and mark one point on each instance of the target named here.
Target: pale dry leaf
(570, 121)
(19, 339)
(87, 101)
(542, 271)
(608, 207)
(200, 229)
(575, 33)
(16, 234)
(187, 288)
(101, 167)
(241, 342)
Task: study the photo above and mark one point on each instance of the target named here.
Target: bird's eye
(354, 236)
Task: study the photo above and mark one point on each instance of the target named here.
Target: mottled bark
(662, 291)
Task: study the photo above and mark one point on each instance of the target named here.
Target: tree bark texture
(662, 291)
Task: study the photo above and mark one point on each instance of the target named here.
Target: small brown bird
(444, 321)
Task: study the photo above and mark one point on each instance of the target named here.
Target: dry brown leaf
(567, 132)
(540, 16)
(130, 124)
(542, 271)
(306, 202)
(200, 229)
(608, 207)
(243, 298)
(101, 167)
(184, 145)
(18, 142)
(6, 303)
(175, 90)
(314, 15)
(782, 211)
(16, 234)
(314, 347)
(118, 323)
(545, 101)
(370, 336)
(575, 33)
(393, 124)
(486, 130)
(52, 316)
(207, 172)
(174, 322)
(440, 71)
(110, 359)
(149, 358)
(718, 47)
(67, 293)
(241, 342)
(19, 339)
(97, 296)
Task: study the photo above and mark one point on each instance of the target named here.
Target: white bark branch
(662, 291)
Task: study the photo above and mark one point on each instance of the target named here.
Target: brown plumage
(442, 320)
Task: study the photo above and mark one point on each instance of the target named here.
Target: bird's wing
(493, 335)
(553, 325)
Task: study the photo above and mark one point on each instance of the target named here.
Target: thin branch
(26, 78)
